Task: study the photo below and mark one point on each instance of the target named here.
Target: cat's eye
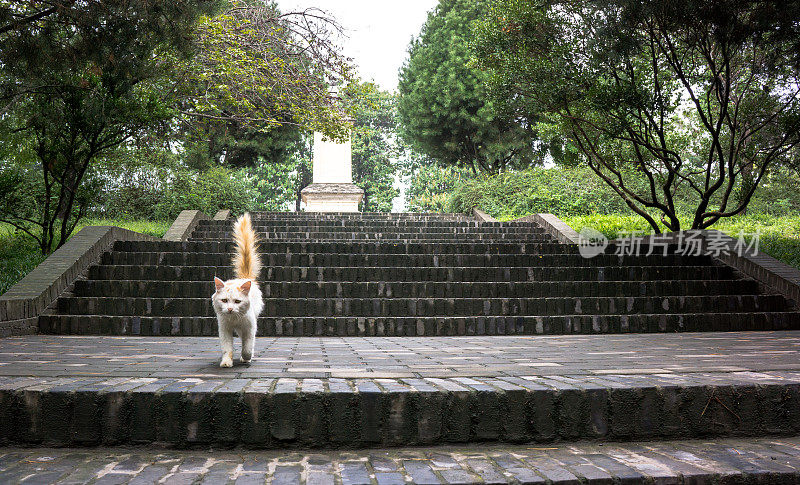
(237, 301)
(224, 300)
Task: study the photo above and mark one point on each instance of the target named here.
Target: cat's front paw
(226, 362)
(245, 361)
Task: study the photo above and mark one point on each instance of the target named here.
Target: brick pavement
(357, 392)
(767, 460)
(405, 357)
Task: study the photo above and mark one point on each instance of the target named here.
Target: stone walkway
(697, 462)
(405, 357)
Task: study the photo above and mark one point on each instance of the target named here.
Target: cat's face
(231, 296)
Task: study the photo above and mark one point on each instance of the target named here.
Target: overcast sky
(379, 32)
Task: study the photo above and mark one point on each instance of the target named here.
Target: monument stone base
(332, 197)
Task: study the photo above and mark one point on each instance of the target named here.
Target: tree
(373, 145)
(697, 99)
(211, 143)
(279, 182)
(431, 185)
(77, 79)
(261, 77)
(444, 108)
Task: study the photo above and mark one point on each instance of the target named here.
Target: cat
(238, 302)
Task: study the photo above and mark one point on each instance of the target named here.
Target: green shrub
(567, 192)
(430, 186)
(563, 191)
(19, 254)
(163, 194)
(209, 191)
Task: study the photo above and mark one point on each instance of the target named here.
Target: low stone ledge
(23, 326)
(321, 188)
(482, 216)
(363, 412)
(553, 226)
(184, 224)
(762, 267)
(21, 305)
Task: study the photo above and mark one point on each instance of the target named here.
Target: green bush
(577, 191)
(563, 191)
(581, 199)
(19, 254)
(430, 186)
(209, 191)
(163, 194)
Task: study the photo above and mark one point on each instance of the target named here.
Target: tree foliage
(444, 108)
(683, 95)
(76, 80)
(233, 82)
(373, 145)
(430, 188)
(260, 78)
(279, 182)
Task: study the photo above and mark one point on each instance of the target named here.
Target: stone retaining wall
(22, 304)
(184, 225)
(762, 267)
(482, 216)
(554, 226)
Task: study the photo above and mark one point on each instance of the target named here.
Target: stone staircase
(388, 331)
(411, 275)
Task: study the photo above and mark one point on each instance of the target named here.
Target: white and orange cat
(238, 302)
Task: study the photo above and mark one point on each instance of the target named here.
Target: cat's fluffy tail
(246, 263)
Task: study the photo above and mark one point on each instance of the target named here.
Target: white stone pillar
(332, 188)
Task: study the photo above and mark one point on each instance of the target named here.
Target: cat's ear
(245, 288)
(218, 283)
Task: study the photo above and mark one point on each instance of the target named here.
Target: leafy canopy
(76, 80)
(261, 77)
(444, 108)
(685, 95)
(374, 144)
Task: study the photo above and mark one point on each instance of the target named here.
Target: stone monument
(332, 188)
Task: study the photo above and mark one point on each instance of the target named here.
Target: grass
(152, 228)
(18, 256)
(19, 253)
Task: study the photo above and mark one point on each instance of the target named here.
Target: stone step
(285, 413)
(473, 224)
(358, 237)
(399, 259)
(210, 224)
(63, 324)
(542, 245)
(389, 237)
(305, 229)
(271, 287)
(417, 273)
(360, 215)
(348, 247)
(428, 306)
(725, 460)
(349, 218)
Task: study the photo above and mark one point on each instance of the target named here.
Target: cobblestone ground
(405, 357)
(696, 462)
